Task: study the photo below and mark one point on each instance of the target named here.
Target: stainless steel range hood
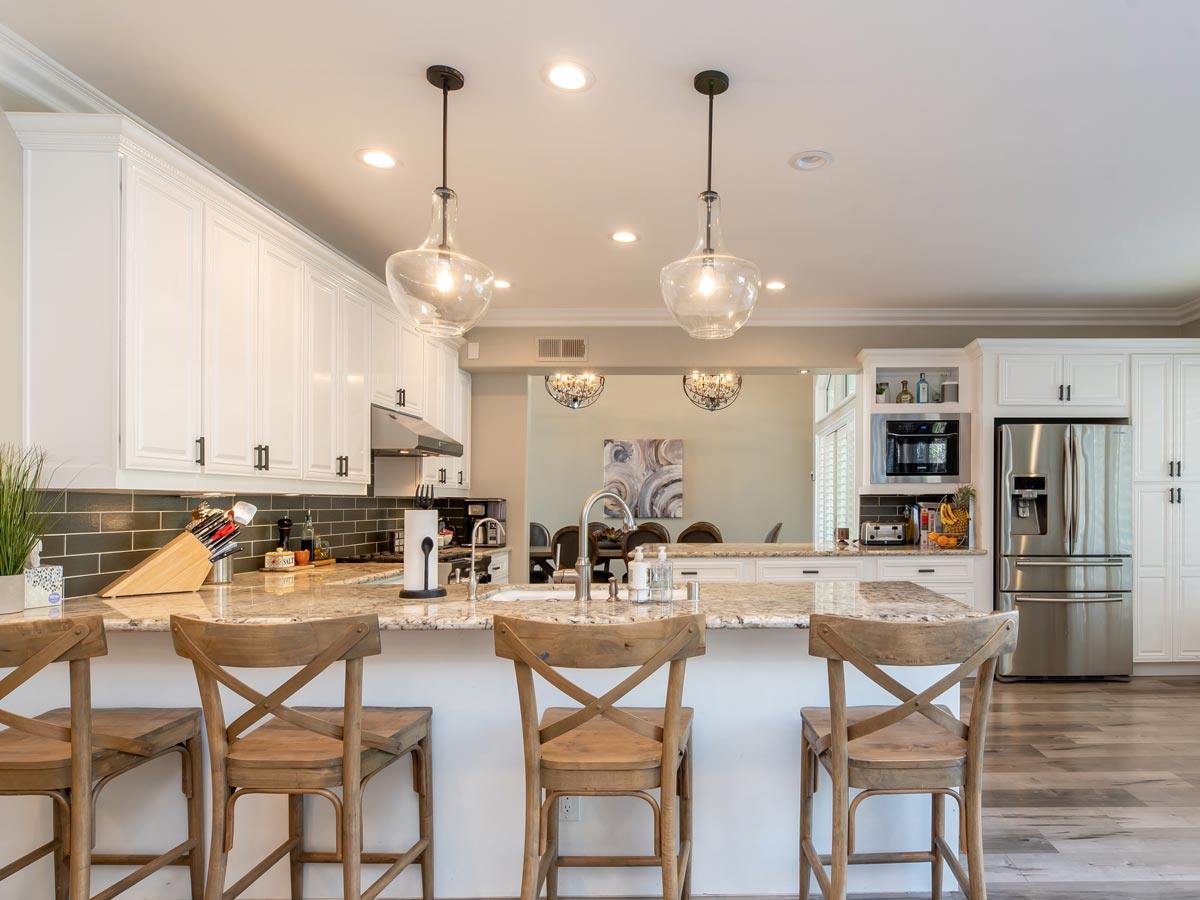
(397, 434)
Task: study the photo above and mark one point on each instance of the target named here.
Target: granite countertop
(848, 551)
(260, 597)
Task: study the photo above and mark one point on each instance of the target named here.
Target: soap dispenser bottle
(662, 578)
(639, 577)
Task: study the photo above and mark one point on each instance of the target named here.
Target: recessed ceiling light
(378, 159)
(808, 160)
(804, 371)
(502, 284)
(624, 237)
(567, 76)
(775, 285)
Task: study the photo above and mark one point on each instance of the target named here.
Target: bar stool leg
(973, 801)
(685, 818)
(296, 832)
(668, 843)
(838, 862)
(806, 798)
(938, 828)
(531, 860)
(425, 808)
(62, 872)
(80, 861)
(551, 840)
(218, 854)
(193, 789)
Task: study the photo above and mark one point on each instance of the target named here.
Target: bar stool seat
(603, 745)
(151, 730)
(914, 743)
(281, 749)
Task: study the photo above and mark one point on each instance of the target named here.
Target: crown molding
(28, 71)
(841, 317)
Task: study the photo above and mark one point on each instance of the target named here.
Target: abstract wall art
(647, 474)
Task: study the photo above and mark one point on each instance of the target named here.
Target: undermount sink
(563, 592)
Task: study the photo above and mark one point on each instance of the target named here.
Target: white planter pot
(12, 593)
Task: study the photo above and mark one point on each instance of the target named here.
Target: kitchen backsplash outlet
(97, 536)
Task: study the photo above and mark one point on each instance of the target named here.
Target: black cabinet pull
(267, 457)
(810, 571)
(1068, 393)
(403, 397)
(1060, 392)
(1171, 469)
(689, 572)
(258, 456)
(460, 477)
(1170, 495)
(926, 571)
(200, 451)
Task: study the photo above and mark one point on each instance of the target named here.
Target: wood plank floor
(1092, 790)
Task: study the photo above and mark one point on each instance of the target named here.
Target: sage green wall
(744, 468)
(12, 395)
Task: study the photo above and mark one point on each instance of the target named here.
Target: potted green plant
(23, 508)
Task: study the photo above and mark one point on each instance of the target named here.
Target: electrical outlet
(568, 809)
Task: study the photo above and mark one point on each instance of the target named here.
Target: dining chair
(773, 535)
(638, 537)
(913, 747)
(600, 749)
(664, 536)
(302, 751)
(564, 547)
(700, 533)
(539, 536)
(70, 755)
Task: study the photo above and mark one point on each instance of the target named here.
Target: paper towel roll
(418, 525)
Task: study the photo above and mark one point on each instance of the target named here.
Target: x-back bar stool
(70, 755)
(914, 747)
(304, 751)
(601, 749)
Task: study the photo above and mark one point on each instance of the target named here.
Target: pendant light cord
(445, 130)
(708, 190)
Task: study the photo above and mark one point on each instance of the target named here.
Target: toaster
(882, 533)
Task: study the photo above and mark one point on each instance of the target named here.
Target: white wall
(10, 284)
(745, 467)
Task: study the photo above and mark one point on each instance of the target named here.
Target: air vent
(561, 349)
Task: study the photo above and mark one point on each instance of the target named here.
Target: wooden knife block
(182, 565)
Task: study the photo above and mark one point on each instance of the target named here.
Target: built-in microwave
(920, 448)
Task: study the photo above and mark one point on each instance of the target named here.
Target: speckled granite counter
(768, 551)
(348, 589)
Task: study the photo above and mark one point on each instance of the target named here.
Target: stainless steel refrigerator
(1064, 522)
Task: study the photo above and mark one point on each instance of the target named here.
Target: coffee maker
(490, 535)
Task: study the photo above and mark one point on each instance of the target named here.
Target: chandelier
(712, 391)
(575, 391)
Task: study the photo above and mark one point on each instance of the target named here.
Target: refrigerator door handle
(1068, 490)
(1071, 564)
(1113, 599)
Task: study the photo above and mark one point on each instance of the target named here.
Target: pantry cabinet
(1063, 381)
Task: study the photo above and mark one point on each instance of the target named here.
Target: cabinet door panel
(1187, 571)
(280, 390)
(163, 322)
(230, 343)
(1028, 379)
(1153, 406)
(1097, 379)
(1187, 428)
(322, 432)
(464, 428)
(412, 368)
(385, 356)
(356, 401)
(1152, 552)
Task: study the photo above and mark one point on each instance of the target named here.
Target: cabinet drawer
(926, 569)
(708, 570)
(963, 591)
(807, 570)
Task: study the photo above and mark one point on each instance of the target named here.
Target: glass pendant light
(710, 292)
(445, 291)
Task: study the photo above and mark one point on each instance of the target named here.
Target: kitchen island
(752, 682)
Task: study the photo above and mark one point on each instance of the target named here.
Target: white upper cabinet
(1028, 379)
(464, 429)
(281, 309)
(385, 356)
(412, 369)
(1153, 413)
(356, 402)
(1064, 380)
(1187, 418)
(163, 224)
(230, 344)
(322, 455)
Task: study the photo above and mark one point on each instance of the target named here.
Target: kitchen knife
(227, 550)
(217, 545)
(223, 532)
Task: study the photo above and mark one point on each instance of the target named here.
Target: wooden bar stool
(600, 749)
(70, 755)
(915, 747)
(303, 751)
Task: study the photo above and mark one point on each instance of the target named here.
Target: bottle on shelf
(922, 389)
(905, 395)
(307, 533)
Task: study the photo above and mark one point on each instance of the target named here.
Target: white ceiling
(1015, 153)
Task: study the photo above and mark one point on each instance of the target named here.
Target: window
(835, 502)
(832, 390)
